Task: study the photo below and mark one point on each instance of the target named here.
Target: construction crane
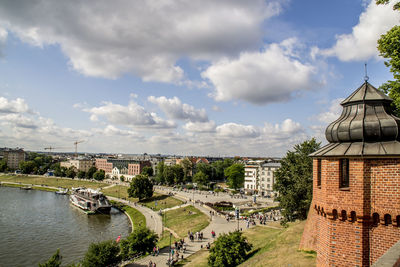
(50, 148)
(76, 147)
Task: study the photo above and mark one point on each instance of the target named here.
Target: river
(33, 224)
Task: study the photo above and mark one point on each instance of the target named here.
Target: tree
(169, 175)
(71, 173)
(122, 178)
(147, 170)
(235, 175)
(229, 250)
(3, 165)
(178, 173)
(187, 166)
(160, 172)
(200, 178)
(54, 261)
(99, 175)
(102, 254)
(141, 240)
(389, 48)
(91, 172)
(81, 174)
(207, 169)
(140, 187)
(293, 181)
(27, 167)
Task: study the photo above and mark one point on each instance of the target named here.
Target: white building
(259, 177)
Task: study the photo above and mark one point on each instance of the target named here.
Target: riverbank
(34, 187)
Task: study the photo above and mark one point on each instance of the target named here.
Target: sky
(186, 77)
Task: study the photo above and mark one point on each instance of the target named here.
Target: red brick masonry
(354, 226)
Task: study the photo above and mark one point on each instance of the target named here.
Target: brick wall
(339, 238)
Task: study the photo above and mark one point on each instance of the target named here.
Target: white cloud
(216, 108)
(200, 127)
(175, 109)
(111, 130)
(237, 130)
(361, 43)
(13, 106)
(144, 37)
(335, 109)
(272, 75)
(132, 115)
(284, 130)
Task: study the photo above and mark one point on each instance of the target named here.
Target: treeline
(200, 173)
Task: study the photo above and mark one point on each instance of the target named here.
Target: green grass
(186, 219)
(163, 202)
(50, 181)
(118, 191)
(138, 219)
(271, 247)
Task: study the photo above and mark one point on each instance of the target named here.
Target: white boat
(61, 191)
(90, 200)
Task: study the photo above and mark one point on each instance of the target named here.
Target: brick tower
(354, 216)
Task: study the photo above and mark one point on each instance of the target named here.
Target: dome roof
(365, 127)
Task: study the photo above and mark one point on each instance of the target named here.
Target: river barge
(90, 200)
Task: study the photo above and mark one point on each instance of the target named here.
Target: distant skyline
(218, 78)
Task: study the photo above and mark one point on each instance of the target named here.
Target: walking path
(218, 224)
(153, 220)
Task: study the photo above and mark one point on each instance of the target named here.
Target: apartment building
(259, 177)
(13, 157)
(78, 164)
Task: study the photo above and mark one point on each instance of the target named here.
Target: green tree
(229, 250)
(141, 240)
(3, 165)
(235, 175)
(206, 168)
(54, 261)
(81, 174)
(140, 187)
(187, 166)
(293, 181)
(389, 48)
(63, 171)
(147, 170)
(160, 172)
(102, 254)
(178, 173)
(99, 175)
(91, 172)
(169, 175)
(122, 178)
(200, 178)
(27, 167)
(71, 173)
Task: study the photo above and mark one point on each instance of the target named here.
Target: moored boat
(62, 191)
(90, 200)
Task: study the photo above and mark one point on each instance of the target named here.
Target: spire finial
(366, 78)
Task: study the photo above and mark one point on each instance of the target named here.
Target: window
(344, 173)
(319, 172)
(268, 180)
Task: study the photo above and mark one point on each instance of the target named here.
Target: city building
(259, 177)
(13, 157)
(354, 218)
(118, 167)
(78, 164)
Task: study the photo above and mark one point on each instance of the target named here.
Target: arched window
(344, 173)
(375, 219)
(343, 215)
(388, 219)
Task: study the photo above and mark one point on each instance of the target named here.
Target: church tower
(354, 216)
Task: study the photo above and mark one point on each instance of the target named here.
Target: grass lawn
(271, 247)
(119, 191)
(136, 216)
(180, 221)
(163, 202)
(50, 181)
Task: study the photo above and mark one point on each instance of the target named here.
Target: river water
(33, 224)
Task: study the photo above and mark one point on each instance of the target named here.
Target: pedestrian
(150, 264)
(154, 264)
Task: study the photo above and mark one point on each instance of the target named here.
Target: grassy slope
(50, 181)
(180, 221)
(163, 202)
(118, 191)
(271, 247)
